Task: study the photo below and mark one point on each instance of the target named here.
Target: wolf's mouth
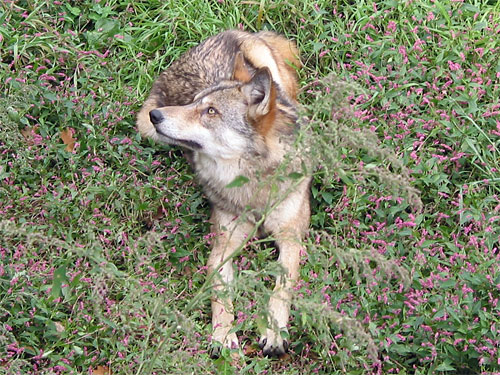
(181, 142)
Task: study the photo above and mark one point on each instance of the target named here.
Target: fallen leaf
(285, 358)
(59, 327)
(151, 217)
(159, 213)
(250, 350)
(187, 272)
(28, 134)
(235, 359)
(100, 370)
(67, 138)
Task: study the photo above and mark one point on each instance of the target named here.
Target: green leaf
(480, 25)
(317, 46)
(400, 349)
(238, 182)
(472, 106)
(58, 279)
(344, 177)
(74, 10)
(443, 11)
(224, 366)
(261, 322)
(50, 96)
(450, 283)
(445, 366)
(295, 175)
(470, 8)
(327, 196)
(106, 26)
(78, 350)
(13, 114)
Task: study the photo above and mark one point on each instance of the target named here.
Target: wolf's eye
(211, 111)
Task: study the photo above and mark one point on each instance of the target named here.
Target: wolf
(231, 104)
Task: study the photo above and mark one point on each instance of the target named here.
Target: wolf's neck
(221, 172)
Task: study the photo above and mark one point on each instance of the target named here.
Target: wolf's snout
(155, 116)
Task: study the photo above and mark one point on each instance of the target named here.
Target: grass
(103, 247)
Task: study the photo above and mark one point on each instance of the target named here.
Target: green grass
(103, 249)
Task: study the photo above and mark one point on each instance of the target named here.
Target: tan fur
(144, 125)
(267, 122)
(259, 49)
(241, 72)
(231, 102)
(287, 57)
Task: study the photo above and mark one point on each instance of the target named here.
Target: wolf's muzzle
(155, 116)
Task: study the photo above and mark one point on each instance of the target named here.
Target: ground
(104, 235)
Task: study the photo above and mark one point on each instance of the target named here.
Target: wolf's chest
(216, 176)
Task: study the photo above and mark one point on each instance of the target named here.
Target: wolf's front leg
(288, 223)
(272, 343)
(229, 236)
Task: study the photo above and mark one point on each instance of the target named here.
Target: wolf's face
(224, 121)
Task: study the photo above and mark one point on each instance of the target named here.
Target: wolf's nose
(155, 116)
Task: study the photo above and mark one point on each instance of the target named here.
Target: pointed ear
(240, 70)
(260, 93)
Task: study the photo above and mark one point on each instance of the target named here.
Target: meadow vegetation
(104, 235)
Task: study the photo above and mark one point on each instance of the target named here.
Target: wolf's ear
(260, 93)
(240, 70)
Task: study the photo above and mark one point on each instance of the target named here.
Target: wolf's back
(199, 68)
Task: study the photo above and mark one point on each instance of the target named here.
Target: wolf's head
(224, 121)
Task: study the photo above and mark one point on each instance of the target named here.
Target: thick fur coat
(231, 103)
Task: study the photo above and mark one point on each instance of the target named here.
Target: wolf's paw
(222, 339)
(272, 344)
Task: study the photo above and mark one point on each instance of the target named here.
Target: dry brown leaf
(159, 213)
(235, 359)
(59, 327)
(67, 138)
(251, 350)
(100, 370)
(187, 272)
(28, 132)
(285, 358)
(150, 219)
